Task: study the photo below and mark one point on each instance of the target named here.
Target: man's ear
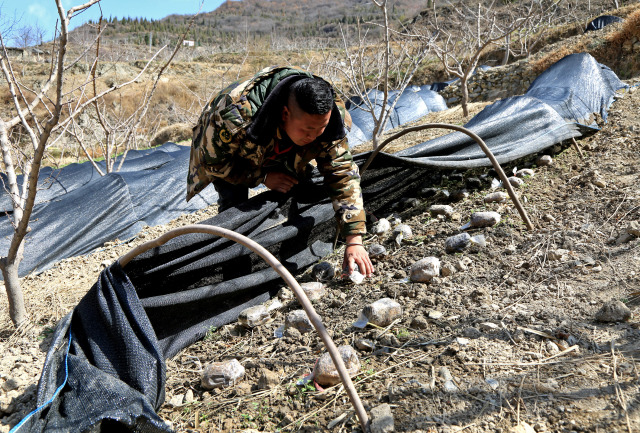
(286, 113)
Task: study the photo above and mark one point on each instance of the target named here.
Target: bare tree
(387, 67)
(114, 129)
(24, 37)
(460, 37)
(525, 39)
(43, 115)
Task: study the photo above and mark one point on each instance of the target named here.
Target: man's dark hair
(313, 95)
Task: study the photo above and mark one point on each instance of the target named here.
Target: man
(267, 129)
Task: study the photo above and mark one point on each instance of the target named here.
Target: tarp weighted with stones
(170, 296)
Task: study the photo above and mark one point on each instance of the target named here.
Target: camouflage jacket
(231, 141)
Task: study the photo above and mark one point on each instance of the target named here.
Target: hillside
(253, 19)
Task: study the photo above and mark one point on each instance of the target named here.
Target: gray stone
(253, 316)
(221, 374)
(441, 209)
(614, 311)
(457, 243)
(325, 372)
(382, 419)
(425, 270)
(382, 312)
(323, 271)
(314, 290)
(496, 197)
(544, 160)
(298, 319)
(484, 219)
(377, 251)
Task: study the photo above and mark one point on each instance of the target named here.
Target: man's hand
(355, 254)
(280, 182)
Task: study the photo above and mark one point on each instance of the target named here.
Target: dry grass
(607, 46)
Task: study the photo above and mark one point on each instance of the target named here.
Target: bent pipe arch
(483, 146)
(291, 282)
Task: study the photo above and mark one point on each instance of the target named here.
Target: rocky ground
(509, 337)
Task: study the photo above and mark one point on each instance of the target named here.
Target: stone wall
(494, 83)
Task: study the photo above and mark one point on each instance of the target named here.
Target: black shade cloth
(601, 22)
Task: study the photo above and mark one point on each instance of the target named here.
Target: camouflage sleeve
(342, 178)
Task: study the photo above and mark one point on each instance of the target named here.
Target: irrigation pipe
(291, 282)
(483, 146)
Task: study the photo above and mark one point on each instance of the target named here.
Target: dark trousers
(229, 195)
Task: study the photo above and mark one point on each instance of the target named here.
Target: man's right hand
(280, 182)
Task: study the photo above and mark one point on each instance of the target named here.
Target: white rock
(496, 197)
(381, 227)
(525, 172)
(515, 182)
(356, 277)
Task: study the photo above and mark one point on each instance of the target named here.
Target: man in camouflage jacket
(267, 129)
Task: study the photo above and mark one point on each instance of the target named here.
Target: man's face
(302, 128)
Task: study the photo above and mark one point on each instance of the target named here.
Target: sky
(44, 12)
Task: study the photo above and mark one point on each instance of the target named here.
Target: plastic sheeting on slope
(559, 104)
(601, 22)
(53, 183)
(412, 104)
(90, 209)
(187, 285)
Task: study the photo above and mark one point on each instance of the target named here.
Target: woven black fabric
(116, 371)
(601, 22)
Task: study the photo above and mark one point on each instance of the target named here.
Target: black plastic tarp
(560, 104)
(601, 22)
(105, 368)
(82, 209)
(165, 299)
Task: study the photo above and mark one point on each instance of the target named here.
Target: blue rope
(55, 394)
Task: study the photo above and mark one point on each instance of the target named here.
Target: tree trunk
(17, 310)
(507, 50)
(465, 96)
